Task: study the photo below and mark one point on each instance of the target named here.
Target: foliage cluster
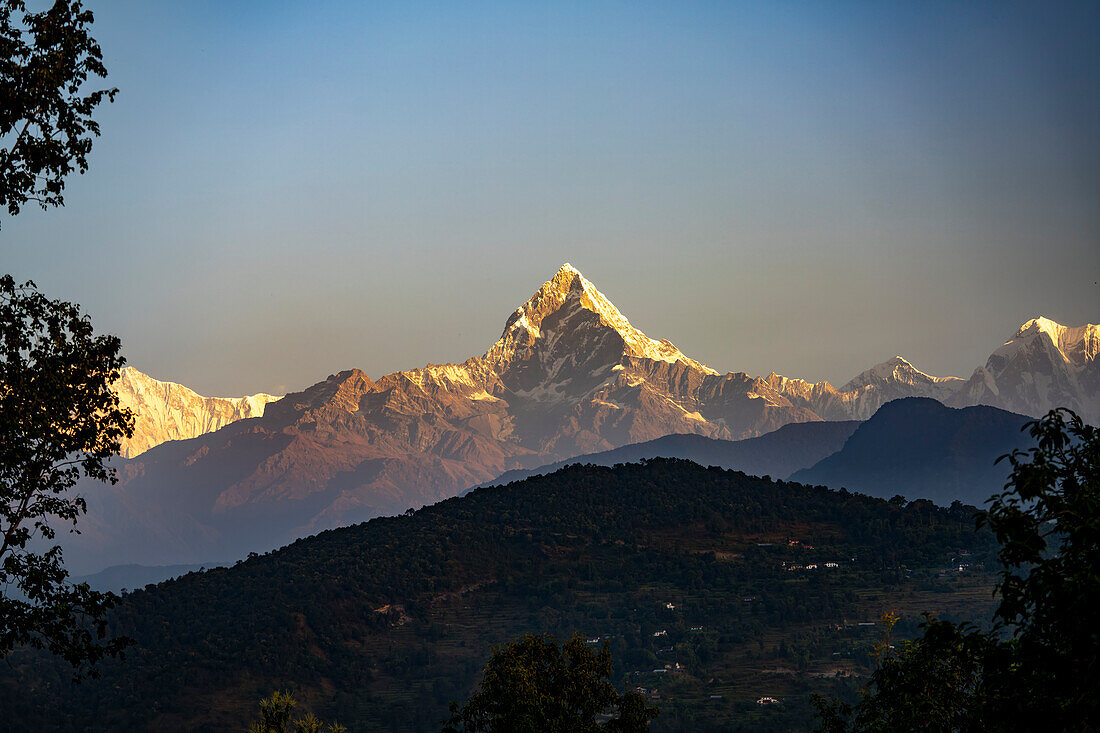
(46, 125)
(58, 419)
(533, 685)
(277, 716)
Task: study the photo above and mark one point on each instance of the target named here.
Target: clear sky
(287, 189)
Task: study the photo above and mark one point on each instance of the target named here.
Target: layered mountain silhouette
(776, 454)
(569, 375)
(921, 449)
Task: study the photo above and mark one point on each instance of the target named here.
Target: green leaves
(275, 717)
(59, 420)
(534, 685)
(58, 416)
(46, 127)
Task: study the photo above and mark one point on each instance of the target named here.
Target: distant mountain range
(119, 578)
(1043, 366)
(569, 375)
(915, 447)
(540, 354)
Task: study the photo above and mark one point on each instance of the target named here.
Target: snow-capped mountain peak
(1044, 365)
(1041, 324)
(898, 371)
(551, 308)
(866, 392)
(1077, 345)
(169, 411)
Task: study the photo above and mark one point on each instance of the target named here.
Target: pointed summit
(552, 296)
(567, 269)
(556, 309)
(1041, 324)
(895, 371)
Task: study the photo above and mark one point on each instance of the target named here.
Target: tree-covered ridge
(363, 621)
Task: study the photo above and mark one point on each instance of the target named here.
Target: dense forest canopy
(702, 579)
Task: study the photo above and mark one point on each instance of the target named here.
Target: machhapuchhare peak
(569, 376)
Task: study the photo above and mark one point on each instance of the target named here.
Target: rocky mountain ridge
(569, 375)
(861, 397)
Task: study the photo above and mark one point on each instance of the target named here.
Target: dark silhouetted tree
(59, 420)
(46, 125)
(533, 684)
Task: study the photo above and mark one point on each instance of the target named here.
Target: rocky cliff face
(168, 411)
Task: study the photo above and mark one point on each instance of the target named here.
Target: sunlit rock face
(168, 411)
(569, 375)
(1044, 365)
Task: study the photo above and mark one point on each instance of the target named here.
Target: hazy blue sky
(284, 190)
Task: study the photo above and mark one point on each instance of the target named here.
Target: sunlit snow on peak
(570, 289)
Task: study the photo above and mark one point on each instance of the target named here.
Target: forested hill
(381, 624)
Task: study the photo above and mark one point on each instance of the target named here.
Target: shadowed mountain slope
(777, 454)
(923, 450)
